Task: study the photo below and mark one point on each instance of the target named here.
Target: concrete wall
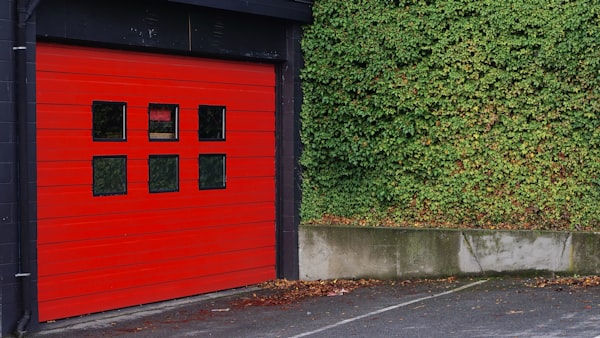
(328, 252)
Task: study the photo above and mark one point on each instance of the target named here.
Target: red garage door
(156, 177)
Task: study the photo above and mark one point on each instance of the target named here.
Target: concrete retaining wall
(329, 252)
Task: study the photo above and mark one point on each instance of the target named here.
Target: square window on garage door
(212, 171)
(162, 122)
(211, 123)
(108, 121)
(163, 175)
(109, 175)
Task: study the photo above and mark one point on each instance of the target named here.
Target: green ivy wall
(479, 113)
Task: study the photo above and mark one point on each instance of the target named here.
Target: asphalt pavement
(495, 307)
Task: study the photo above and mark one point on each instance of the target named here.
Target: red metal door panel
(127, 65)
(126, 251)
(104, 252)
(149, 293)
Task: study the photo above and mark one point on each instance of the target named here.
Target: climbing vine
(474, 113)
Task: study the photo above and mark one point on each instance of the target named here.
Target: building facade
(148, 151)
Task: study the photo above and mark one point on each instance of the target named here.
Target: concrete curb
(329, 252)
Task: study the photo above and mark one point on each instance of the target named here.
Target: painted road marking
(389, 308)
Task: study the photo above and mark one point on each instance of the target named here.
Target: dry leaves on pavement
(575, 281)
(287, 291)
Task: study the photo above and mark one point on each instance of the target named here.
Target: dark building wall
(11, 308)
(288, 143)
(171, 27)
(8, 175)
(293, 10)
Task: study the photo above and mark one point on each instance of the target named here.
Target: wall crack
(565, 242)
(472, 251)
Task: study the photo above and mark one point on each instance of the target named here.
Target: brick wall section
(8, 177)
(10, 308)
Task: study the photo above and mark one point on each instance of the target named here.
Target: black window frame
(124, 112)
(175, 122)
(111, 193)
(214, 187)
(177, 173)
(223, 123)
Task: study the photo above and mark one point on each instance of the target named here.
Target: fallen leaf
(288, 292)
(336, 292)
(575, 281)
(513, 312)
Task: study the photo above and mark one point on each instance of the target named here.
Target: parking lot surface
(495, 307)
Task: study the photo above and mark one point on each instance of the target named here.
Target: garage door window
(212, 171)
(110, 175)
(108, 121)
(162, 121)
(163, 173)
(211, 123)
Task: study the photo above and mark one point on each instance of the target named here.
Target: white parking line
(389, 308)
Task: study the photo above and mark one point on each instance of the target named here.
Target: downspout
(24, 10)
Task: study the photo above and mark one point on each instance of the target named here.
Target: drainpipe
(24, 10)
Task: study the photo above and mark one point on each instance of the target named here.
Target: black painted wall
(8, 211)
(288, 153)
(294, 10)
(170, 27)
(11, 308)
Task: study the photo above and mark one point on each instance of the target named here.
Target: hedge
(474, 113)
